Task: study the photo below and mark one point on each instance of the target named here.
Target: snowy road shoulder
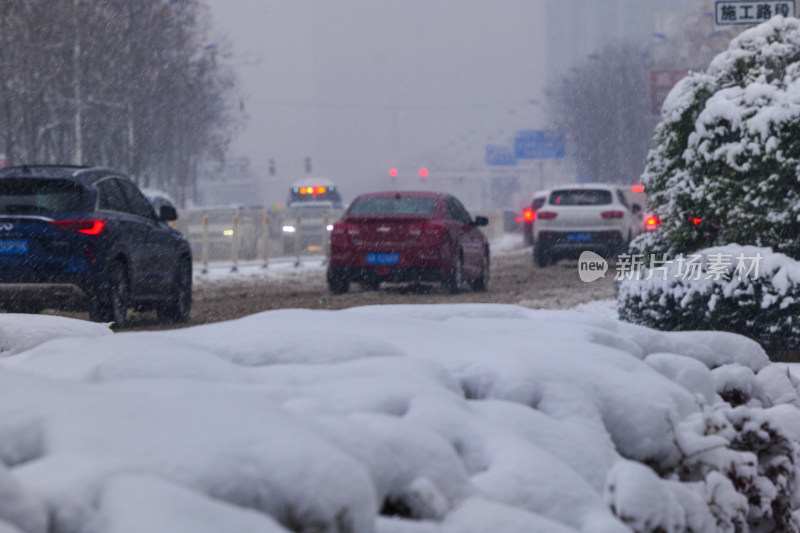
(446, 418)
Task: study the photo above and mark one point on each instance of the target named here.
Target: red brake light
(89, 227)
(652, 221)
(637, 188)
(612, 214)
(547, 215)
(432, 233)
(529, 215)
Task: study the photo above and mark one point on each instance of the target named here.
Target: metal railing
(230, 235)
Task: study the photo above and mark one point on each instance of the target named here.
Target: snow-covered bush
(725, 169)
(725, 165)
(396, 419)
(759, 298)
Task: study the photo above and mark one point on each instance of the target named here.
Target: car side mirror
(167, 213)
(480, 221)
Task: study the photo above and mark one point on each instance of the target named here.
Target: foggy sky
(362, 86)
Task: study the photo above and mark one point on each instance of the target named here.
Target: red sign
(661, 83)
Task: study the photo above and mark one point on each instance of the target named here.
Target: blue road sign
(539, 144)
(500, 155)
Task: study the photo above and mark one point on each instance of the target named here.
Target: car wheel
(177, 309)
(527, 239)
(112, 306)
(337, 282)
(453, 283)
(542, 256)
(481, 283)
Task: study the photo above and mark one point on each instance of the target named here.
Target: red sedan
(408, 236)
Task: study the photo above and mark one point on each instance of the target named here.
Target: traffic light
(423, 173)
(393, 173)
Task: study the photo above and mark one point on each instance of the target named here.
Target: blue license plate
(13, 246)
(379, 258)
(579, 237)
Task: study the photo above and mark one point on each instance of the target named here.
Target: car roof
(570, 186)
(81, 174)
(405, 194)
(313, 181)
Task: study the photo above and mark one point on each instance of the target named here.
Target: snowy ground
(446, 418)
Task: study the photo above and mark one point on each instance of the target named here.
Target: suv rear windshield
(393, 206)
(580, 197)
(26, 196)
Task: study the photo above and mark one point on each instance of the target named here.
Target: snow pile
(23, 332)
(744, 289)
(396, 419)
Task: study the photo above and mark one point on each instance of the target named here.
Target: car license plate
(579, 237)
(380, 258)
(13, 246)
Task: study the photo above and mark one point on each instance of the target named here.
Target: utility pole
(76, 68)
(131, 139)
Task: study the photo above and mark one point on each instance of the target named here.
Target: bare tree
(129, 84)
(603, 109)
(603, 106)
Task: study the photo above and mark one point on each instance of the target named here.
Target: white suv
(594, 217)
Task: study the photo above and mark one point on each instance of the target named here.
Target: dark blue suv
(77, 238)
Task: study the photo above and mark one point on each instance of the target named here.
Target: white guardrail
(231, 235)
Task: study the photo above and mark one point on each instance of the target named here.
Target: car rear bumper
(391, 274)
(407, 257)
(580, 240)
(413, 264)
(61, 295)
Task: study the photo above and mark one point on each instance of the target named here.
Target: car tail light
(546, 215)
(652, 221)
(89, 227)
(432, 233)
(529, 215)
(339, 234)
(612, 214)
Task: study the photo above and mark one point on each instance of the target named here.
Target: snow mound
(447, 419)
(23, 332)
